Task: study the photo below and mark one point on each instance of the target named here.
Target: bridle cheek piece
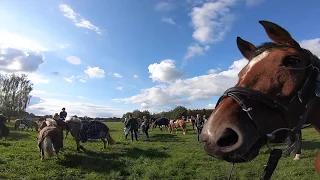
(307, 95)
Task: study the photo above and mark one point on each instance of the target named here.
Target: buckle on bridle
(247, 109)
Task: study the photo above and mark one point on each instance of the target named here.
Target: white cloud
(117, 75)
(37, 92)
(79, 21)
(251, 3)
(119, 88)
(165, 71)
(37, 78)
(213, 71)
(145, 105)
(164, 6)
(168, 20)
(212, 20)
(73, 60)
(182, 92)
(196, 50)
(80, 97)
(135, 76)
(211, 105)
(313, 45)
(47, 106)
(20, 42)
(70, 79)
(82, 80)
(63, 46)
(94, 72)
(14, 60)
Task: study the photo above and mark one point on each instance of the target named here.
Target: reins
(308, 94)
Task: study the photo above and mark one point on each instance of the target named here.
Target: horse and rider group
(132, 125)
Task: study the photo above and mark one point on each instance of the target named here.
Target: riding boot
(132, 136)
(136, 135)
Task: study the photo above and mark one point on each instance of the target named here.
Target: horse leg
(104, 143)
(41, 150)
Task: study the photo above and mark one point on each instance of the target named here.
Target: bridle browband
(307, 95)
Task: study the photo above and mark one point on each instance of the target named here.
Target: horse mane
(73, 119)
(51, 122)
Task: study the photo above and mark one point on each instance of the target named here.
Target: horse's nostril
(228, 138)
(204, 137)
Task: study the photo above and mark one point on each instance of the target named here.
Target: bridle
(307, 95)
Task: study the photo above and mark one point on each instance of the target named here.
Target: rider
(63, 114)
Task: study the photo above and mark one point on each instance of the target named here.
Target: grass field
(165, 156)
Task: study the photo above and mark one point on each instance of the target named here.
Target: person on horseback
(63, 114)
(133, 126)
(199, 125)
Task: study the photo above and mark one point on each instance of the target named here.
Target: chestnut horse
(276, 88)
(175, 125)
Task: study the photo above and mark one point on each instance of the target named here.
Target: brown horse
(175, 125)
(50, 139)
(273, 90)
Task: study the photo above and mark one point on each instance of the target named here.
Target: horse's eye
(291, 60)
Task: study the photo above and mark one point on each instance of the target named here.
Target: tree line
(175, 113)
(15, 95)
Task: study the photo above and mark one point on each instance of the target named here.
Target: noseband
(307, 95)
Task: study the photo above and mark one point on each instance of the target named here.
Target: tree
(136, 113)
(15, 94)
(178, 112)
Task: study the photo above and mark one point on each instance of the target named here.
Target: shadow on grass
(94, 161)
(14, 136)
(5, 144)
(2, 162)
(166, 138)
(101, 162)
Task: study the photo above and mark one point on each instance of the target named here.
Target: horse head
(271, 93)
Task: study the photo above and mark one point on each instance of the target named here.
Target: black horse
(161, 122)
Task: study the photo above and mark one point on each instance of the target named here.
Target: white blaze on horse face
(254, 61)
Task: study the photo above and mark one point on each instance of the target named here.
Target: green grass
(166, 156)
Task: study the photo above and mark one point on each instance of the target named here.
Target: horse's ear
(246, 48)
(278, 34)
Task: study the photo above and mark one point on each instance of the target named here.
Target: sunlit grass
(165, 156)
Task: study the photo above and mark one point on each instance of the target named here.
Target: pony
(161, 122)
(26, 123)
(176, 124)
(82, 131)
(4, 130)
(50, 139)
(276, 87)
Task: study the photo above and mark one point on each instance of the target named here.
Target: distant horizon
(105, 58)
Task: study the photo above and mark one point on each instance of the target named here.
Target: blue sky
(104, 58)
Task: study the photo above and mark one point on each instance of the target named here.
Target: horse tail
(109, 139)
(47, 147)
